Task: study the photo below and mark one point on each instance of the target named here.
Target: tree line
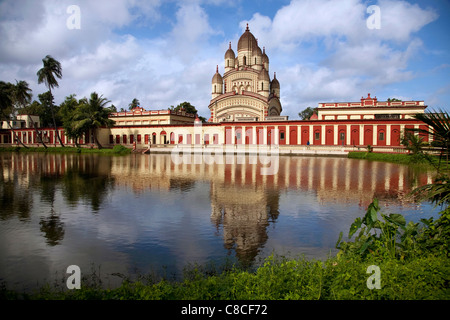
(76, 116)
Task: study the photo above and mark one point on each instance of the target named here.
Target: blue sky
(166, 52)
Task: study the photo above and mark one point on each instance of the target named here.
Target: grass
(280, 278)
(421, 160)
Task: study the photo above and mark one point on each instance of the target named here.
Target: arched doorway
(163, 137)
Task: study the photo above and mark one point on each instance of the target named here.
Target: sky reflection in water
(144, 213)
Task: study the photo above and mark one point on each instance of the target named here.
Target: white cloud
(332, 54)
(400, 19)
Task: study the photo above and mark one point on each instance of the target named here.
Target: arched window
(255, 60)
(214, 89)
(262, 85)
(245, 60)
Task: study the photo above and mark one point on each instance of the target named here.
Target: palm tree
(47, 75)
(6, 106)
(438, 128)
(22, 96)
(414, 143)
(92, 114)
(134, 104)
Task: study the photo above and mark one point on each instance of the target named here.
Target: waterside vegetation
(412, 258)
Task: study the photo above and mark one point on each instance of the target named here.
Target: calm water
(146, 213)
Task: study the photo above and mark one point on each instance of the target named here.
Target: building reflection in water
(243, 202)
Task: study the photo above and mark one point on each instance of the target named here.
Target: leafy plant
(389, 236)
(413, 143)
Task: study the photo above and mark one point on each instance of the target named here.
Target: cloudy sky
(164, 52)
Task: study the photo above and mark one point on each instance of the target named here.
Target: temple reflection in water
(243, 202)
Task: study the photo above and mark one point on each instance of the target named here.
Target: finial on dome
(274, 75)
(217, 68)
(247, 29)
(229, 45)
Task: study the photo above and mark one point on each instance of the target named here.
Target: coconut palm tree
(22, 96)
(134, 104)
(93, 114)
(50, 70)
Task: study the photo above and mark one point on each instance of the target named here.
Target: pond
(140, 214)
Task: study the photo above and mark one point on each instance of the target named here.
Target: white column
(375, 134)
(348, 134)
(361, 134)
(322, 135)
(311, 135)
(233, 134)
(287, 135)
(388, 134)
(335, 134)
(276, 133)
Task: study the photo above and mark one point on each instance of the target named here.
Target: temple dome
(247, 42)
(275, 84)
(263, 75)
(217, 78)
(265, 58)
(230, 53)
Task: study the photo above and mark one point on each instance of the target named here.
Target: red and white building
(345, 124)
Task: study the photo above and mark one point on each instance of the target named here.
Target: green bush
(120, 149)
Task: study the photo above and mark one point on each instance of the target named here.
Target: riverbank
(421, 160)
(279, 278)
(114, 151)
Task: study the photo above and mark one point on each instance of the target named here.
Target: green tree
(113, 108)
(6, 106)
(307, 113)
(187, 107)
(22, 97)
(44, 111)
(48, 74)
(92, 114)
(68, 112)
(134, 104)
(393, 99)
